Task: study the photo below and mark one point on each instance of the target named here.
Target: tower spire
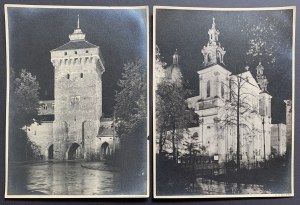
(213, 24)
(77, 35)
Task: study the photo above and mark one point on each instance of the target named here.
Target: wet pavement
(60, 178)
(208, 187)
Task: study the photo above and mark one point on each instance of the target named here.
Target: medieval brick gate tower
(78, 69)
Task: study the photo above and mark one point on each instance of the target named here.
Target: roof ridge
(72, 45)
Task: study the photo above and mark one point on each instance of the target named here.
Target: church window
(86, 51)
(75, 52)
(222, 90)
(66, 53)
(219, 57)
(208, 89)
(81, 75)
(209, 57)
(68, 76)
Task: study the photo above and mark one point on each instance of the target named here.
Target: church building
(226, 100)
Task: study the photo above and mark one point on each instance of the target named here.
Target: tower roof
(173, 71)
(75, 45)
(77, 40)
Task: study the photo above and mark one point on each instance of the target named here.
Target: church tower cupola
(173, 72)
(213, 53)
(77, 35)
(261, 79)
(213, 33)
(175, 58)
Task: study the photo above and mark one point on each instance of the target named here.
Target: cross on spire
(213, 24)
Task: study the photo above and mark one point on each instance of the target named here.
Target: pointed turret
(261, 78)
(213, 53)
(173, 72)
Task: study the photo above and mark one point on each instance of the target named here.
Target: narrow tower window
(68, 76)
(81, 75)
(208, 89)
(75, 52)
(86, 51)
(222, 90)
(66, 53)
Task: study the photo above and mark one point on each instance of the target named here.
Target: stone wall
(42, 136)
(78, 100)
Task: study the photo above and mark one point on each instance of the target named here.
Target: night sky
(187, 31)
(34, 32)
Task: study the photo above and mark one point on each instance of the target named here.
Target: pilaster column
(200, 87)
(217, 88)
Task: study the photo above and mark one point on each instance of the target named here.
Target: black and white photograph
(223, 102)
(77, 102)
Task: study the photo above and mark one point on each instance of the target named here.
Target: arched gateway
(74, 152)
(104, 150)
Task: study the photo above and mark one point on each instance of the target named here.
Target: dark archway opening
(74, 151)
(105, 150)
(50, 152)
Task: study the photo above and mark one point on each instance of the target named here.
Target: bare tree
(239, 108)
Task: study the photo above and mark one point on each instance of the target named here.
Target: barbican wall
(42, 136)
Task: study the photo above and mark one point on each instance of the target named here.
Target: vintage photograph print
(77, 119)
(223, 102)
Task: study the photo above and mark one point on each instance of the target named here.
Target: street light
(263, 124)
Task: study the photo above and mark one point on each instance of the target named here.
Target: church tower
(173, 72)
(213, 53)
(78, 69)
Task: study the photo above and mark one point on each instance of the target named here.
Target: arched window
(222, 90)
(209, 57)
(219, 57)
(81, 75)
(68, 76)
(208, 89)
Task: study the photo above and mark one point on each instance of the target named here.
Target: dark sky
(187, 31)
(121, 35)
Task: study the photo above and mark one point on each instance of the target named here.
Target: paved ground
(98, 166)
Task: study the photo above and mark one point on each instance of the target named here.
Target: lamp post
(263, 124)
(202, 122)
(278, 151)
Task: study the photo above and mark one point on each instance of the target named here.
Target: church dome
(173, 72)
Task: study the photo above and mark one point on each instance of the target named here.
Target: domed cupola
(173, 72)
